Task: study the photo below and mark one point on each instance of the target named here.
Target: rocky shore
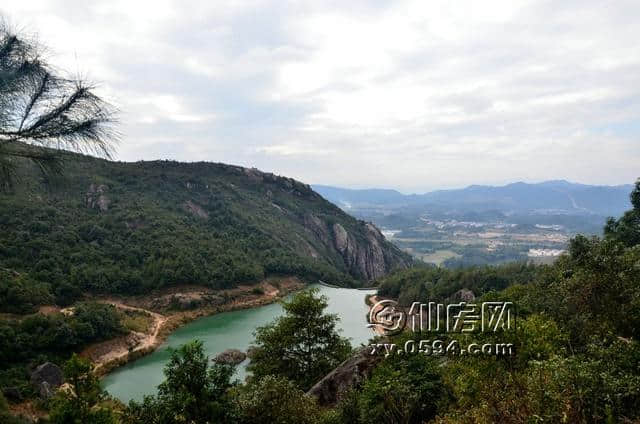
(170, 310)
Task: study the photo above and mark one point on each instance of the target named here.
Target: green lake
(231, 330)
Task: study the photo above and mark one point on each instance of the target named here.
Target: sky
(411, 95)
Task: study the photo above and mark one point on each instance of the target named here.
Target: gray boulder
(231, 357)
(350, 373)
(46, 391)
(46, 378)
(463, 295)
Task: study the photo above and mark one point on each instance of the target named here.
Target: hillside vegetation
(577, 356)
(113, 227)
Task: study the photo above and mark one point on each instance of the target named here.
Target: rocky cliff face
(223, 224)
(364, 250)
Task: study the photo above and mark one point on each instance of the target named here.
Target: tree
(80, 404)
(275, 400)
(42, 112)
(5, 415)
(303, 345)
(401, 390)
(193, 392)
(626, 229)
(100, 321)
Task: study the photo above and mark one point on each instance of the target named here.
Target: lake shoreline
(112, 354)
(233, 330)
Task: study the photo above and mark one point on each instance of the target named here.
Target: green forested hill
(128, 227)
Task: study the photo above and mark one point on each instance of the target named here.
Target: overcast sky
(413, 95)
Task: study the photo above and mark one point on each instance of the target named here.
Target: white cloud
(409, 94)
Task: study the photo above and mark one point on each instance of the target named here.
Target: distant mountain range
(549, 197)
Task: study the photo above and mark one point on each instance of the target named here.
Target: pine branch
(46, 111)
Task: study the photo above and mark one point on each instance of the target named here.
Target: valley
(165, 259)
(483, 225)
(453, 243)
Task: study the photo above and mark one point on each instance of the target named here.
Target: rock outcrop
(195, 210)
(366, 254)
(463, 295)
(318, 228)
(350, 373)
(232, 223)
(231, 357)
(187, 301)
(366, 257)
(46, 378)
(96, 197)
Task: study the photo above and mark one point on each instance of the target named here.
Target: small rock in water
(231, 357)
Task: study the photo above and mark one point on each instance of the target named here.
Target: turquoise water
(231, 330)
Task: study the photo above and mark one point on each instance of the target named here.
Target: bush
(275, 400)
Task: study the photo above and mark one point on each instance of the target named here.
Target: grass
(137, 321)
(439, 256)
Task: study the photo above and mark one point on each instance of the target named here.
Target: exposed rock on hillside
(169, 223)
(350, 373)
(187, 301)
(96, 197)
(463, 295)
(46, 378)
(366, 254)
(195, 209)
(367, 258)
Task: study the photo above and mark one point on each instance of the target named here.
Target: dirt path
(120, 349)
(113, 353)
(158, 321)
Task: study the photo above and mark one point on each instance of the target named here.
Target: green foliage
(80, 404)
(406, 390)
(303, 345)
(601, 385)
(40, 109)
(596, 290)
(276, 400)
(193, 391)
(57, 333)
(20, 294)
(539, 338)
(424, 284)
(5, 415)
(626, 229)
(127, 228)
(39, 337)
(134, 320)
(98, 320)
(576, 351)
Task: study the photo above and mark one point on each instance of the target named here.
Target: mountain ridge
(558, 195)
(129, 227)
